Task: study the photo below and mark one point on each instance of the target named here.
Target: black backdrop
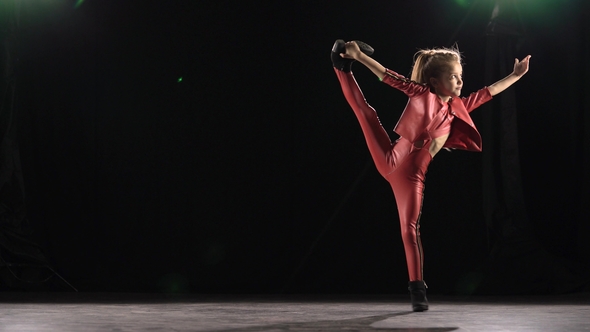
(205, 146)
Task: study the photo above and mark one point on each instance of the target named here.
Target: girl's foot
(344, 64)
(418, 295)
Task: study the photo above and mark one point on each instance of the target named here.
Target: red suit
(404, 162)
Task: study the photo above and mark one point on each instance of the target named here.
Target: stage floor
(144, 312)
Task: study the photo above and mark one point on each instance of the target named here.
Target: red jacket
(424, 105)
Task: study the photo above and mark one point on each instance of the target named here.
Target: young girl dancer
(435, 117)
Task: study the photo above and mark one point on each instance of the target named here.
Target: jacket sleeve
(476, 99)
(407, 86)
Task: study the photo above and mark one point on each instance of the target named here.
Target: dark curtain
(519, 264)
(583, 224)
(168, 143)
(16, 248)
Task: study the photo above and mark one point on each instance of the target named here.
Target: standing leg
(407, 182)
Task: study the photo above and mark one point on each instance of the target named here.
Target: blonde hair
(431, 62)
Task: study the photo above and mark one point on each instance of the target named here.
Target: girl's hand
(521, 67)
(352, 51)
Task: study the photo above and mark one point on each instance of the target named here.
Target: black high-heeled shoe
(344, 64)
(418, 295)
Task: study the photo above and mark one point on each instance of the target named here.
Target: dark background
(251, 173)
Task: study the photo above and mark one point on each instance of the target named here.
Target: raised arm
(353, 52)
(520, 68)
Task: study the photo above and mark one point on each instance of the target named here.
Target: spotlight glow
(78, 3)
(463, 3)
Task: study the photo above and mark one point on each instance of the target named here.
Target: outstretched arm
(520, 68)
(353, 52)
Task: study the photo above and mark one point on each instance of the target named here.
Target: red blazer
(423, 107)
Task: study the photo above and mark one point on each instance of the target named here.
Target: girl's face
(449, 83)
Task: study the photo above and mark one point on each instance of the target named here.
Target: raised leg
(385, 154)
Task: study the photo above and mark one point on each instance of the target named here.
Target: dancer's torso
(440, 129)
(437, 144)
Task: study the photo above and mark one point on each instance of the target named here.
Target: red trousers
(401, 163)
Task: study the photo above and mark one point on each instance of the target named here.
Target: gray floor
(137, 312)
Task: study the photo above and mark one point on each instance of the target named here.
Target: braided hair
(430, 63)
